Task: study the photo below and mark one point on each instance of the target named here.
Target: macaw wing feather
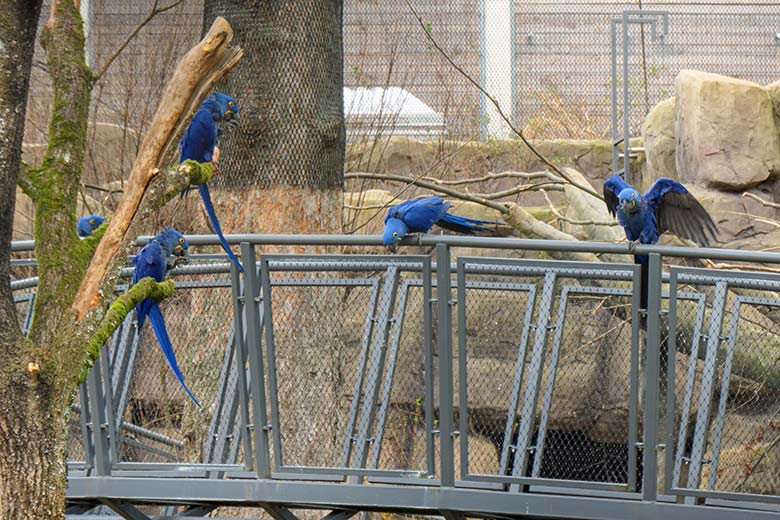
(206, 197)
(612, 187)
(158, 324)
(421, 214)
(678, 211)
(199, 139)
(465, 225)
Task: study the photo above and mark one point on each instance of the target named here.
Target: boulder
(774, 94)
(658, 136)
(725, 131)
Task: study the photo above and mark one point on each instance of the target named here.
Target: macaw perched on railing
(152, 261)
(198, 144)
(86, 225)
(419, 216)
(666, 206)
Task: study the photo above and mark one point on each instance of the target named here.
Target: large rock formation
(658, 136)
(725, 131)
(719, 137)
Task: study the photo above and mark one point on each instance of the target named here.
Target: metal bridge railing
(520, 376)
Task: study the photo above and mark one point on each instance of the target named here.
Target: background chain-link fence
(548, 63)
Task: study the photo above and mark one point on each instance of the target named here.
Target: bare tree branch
(576, 222)
(196, 73)
(431, 186)
(497, 106)
(25, 180)
(492, 176)
(154, 12)
(101, 188)
(763, 202)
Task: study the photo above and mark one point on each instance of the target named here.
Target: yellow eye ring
(181, 240)
(92, 221)
(230, 104)
(395, 233)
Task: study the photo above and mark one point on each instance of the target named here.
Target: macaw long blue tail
(204, 194)
(465, 225)
(158, 324)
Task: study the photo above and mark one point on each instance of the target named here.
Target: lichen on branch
(118, 311)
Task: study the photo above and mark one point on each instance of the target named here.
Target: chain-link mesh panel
(198, 320)
(549, 375)
(318, 343)
(726, 433)
(402, 413)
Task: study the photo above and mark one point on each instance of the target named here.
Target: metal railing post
(261, 448)
(652, 372)
(444, 340)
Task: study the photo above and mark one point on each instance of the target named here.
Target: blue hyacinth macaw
(198, 144)
(666, 206)
(152, 261)
(86, 225)
(419, 215)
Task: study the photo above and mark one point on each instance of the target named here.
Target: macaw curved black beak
(393, 248)
(179, 251)
(232, 120)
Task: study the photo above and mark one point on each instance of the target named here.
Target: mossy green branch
(146, 288)
(25, 180)
(188, 173)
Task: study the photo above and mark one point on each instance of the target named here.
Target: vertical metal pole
(270, 349)
(238, 315)
(517, 383)
(86, 427)
(531, 394)
(262, 453)
(613, 94)
(652, 370)
(463, 401)
(365, 343)
(444, 338)
(99, 425)
(724, 394)
(375, 369)
(690, 379)
(671, 360)
(633, 404)
(112, 424)
(626, 122)
(701, 431)
(483, 129)
(428, 365)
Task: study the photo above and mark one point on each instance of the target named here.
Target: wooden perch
(193, 78)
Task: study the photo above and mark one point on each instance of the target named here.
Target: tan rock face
(658, 136)
(725, 131)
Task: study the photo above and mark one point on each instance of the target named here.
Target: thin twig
(564, 218)
(763, 202)
(493, 176)
(759, 268)
(101, 188)
(431, 186)
(497, 106)
(554, 186)
(154, 12)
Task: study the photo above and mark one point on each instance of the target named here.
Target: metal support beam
(125, 509)
(652, 373)
(278, 512)
(340, 514)
(444, 337)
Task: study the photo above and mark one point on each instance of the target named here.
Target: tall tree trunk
(282, 172)
(282, 169)
(18, 23)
